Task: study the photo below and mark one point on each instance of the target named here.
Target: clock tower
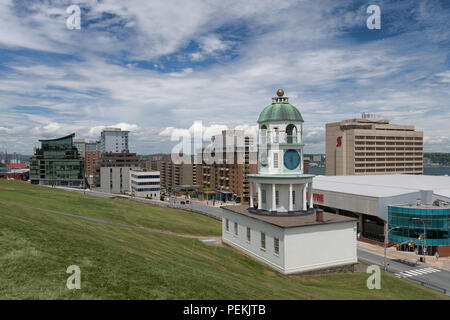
(281, 185)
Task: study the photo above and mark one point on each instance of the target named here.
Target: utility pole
(386, 237)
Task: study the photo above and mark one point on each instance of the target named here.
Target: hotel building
(372, 146)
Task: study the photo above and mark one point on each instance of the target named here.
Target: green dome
(280, 112)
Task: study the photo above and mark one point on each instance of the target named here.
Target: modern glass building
(415, 220)
(57, 163)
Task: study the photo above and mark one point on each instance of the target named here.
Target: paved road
(433, 278)
(213, 212)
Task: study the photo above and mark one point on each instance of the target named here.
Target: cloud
(144, 64)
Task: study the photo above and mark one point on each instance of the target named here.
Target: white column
(259, 196)
(251, 194)
(291, 201)
(304, 197)
(310, 195)
(274, 202)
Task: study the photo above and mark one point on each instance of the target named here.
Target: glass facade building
(57, 163)
(410, 220)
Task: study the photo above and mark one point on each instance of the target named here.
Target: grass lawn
(36, 247)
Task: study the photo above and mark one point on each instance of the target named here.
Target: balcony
(271, 137)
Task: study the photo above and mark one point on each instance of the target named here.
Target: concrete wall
(320, 246)
(120, 175)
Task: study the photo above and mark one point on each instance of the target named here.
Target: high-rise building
(175, 174)
(57, 163)
(232, 160)
(372, 146)
(113, 140)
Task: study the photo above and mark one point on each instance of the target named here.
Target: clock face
(291, 159)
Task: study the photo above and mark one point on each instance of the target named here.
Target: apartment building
(174, 174)
(113, 140)
(372, 146)
(234, 161)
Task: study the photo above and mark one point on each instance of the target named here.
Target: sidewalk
(392, 253)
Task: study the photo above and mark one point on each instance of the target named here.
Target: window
(248, 234)
(277, 197)
(276, 245)
(227, 225)
(293, 196)
(275, 160)
(263, 240)
(235, 228)
(263, 196)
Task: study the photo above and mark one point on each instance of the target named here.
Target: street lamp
(387, 236)
(424, 235)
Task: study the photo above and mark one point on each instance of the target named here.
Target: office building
(57, 163)
(112, 173)
(281, 229)
(113, 140)
(145, 184)
(372, 146)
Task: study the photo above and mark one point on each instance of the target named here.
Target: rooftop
(383, 185)
(289, 221)
(280, 110)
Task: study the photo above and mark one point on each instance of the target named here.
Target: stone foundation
(336, 269)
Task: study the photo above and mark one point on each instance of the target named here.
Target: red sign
(339, 141)
(316, 197)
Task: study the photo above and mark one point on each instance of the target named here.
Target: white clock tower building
(281, 185)
(281, 228)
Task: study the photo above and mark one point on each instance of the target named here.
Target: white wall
(300, 249)
(350, 202)
(320, 246)
(283, 190)
(253, 248)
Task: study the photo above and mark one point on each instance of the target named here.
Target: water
(427, 171)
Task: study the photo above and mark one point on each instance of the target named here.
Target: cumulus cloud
(122, 68)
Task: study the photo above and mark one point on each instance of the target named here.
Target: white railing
(278, 137)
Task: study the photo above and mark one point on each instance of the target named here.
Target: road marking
(416, 272)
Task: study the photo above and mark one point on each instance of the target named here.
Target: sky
(159, 67)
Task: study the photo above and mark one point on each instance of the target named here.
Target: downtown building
(113, 140)
(145, 184)
(112, 173)
(174, 175)
(227, 164)
(57, 163)
(372, 146)
(89, 151)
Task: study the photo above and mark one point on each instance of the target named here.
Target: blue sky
(156, 67)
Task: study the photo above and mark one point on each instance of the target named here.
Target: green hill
(38, 243)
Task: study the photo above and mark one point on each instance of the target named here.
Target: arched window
(263, 134)
(291, 133)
